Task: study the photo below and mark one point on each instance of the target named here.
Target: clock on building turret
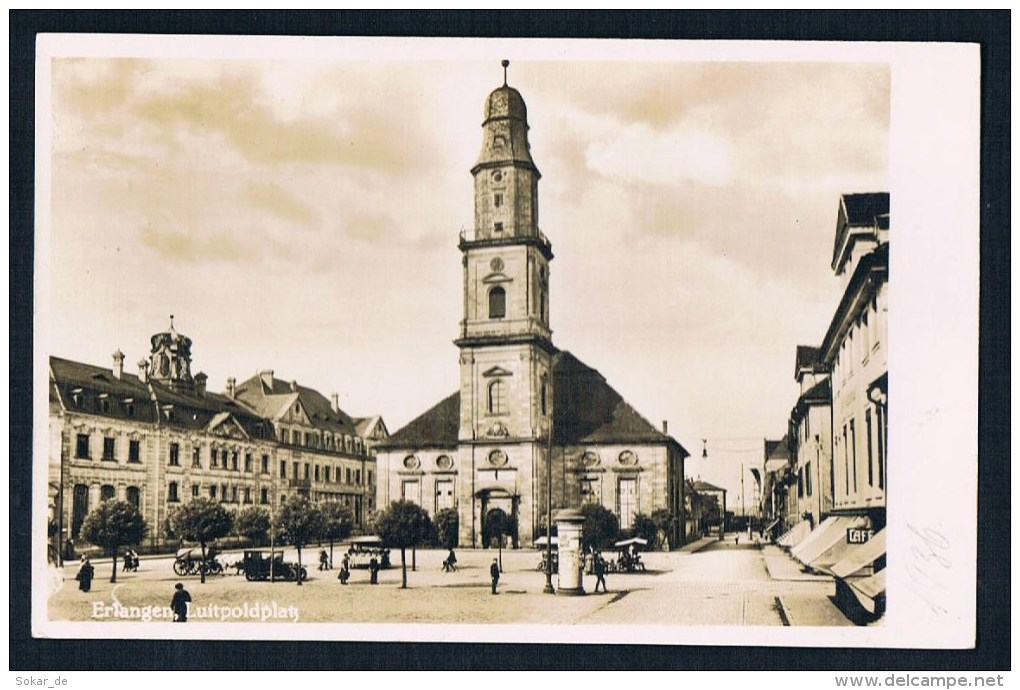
(505, 341)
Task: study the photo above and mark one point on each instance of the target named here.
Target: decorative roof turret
(505, 129)
(171, 359)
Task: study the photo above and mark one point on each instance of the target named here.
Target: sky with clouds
(302, 214)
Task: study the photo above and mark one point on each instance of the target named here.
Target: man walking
(179, 604)
(494, 573)
(600, 573)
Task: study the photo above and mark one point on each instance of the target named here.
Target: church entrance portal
(499, 511)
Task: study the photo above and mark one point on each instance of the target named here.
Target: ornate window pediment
(496, 371)
(498, 430)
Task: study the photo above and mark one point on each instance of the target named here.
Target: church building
(528, 421)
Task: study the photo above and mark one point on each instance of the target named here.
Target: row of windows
(221, 492)
(324, 473)
(864, 335)
(218, 459)
(83, 452)
(313, 439)
(104, 403)
(875, 436)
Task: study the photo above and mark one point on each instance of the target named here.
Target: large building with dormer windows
(523, 406)
(159, 438)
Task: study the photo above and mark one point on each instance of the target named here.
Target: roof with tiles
(703, 486)
(808, 357)
(586, 409)
(84, 387)
(867, 210)
(271, 397)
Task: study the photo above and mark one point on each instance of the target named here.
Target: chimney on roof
(143, 370)
(665, 427)
(293, 385)
(231, 382)
(118, 364)
(267, 378)
(200, 381)
(334, 402)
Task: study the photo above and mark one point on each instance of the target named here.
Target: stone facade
(159, 439)
(528, 421)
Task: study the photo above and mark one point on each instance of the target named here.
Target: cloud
(273, 197)
(638, 154)
(188, 247)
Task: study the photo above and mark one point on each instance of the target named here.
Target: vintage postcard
(522, 340)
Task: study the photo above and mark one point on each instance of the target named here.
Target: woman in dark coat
(85, 575)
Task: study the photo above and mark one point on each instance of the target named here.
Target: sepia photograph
(313, 362)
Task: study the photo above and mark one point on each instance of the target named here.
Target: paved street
(721, 584)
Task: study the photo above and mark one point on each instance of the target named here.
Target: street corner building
(529, 421)
(159, 438)
(827, 481)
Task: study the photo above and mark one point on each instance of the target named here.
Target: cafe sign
(857, 535)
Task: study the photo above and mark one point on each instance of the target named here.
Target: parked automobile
(259, 565)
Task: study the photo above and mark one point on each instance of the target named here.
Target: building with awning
(854, 351)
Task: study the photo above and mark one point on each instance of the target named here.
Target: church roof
(437, 427)
(586, 409)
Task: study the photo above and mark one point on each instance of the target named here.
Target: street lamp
(272, 544)
(548, 513)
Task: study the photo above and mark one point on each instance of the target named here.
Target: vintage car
(363, 549)
(259, 565)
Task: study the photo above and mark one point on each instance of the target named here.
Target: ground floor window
(444, 494)
(628, 502)
(409, 490)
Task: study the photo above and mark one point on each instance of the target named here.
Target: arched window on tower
(545, 395)
(497, 303)
(497, 397)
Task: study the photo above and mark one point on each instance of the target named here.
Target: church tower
(505, 340)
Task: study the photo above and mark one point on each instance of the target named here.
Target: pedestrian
(85, 574)
(494, 573)
(323, 560)
(345, 572)
(450, 564)
(600, 573)
(373, 569)
(179, 604)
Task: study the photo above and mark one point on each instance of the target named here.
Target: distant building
(159, 438)
(779, 504)
(524, 410)
(711, 493)
(810, 436)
